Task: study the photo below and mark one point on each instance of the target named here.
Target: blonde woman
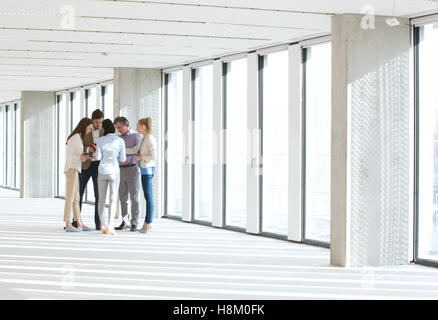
(146, 155)
(73, 162)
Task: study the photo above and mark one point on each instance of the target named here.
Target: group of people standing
(114, 162)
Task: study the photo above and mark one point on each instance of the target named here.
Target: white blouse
(73, 152)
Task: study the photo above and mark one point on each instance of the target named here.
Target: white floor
(38, 260)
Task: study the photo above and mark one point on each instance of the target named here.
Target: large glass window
(317, 81)
(427, 143)
(10, 148)
(174, 140)
(235, 114)
(2, 146)
(10, 118)
(90, 101)
(17, 144)
(63, 133)
(75, 109)
(108, 101)
(203, 142)
(275, 131)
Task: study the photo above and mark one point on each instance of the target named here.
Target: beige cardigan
(73, 152)
(148, 151)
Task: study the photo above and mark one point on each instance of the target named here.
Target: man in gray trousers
(129, 176)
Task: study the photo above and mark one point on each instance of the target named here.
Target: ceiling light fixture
(393, 21)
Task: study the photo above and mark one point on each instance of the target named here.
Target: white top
(73, 152)
(148, 151)
(110, 151)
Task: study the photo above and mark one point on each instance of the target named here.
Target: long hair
(147, 122)
(108, 127)
(81, 128)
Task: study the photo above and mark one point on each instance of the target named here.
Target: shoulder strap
(141, 144)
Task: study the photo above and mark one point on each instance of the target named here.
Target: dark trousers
(84, 177)
(146, 183)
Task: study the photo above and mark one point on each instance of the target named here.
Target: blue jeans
(146, 183)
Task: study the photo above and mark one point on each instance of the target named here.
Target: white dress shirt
(95, 133)
(73, 152)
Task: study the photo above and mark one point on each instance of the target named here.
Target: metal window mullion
(416, 49)
(253, 173)
(187, 166)
(167, 77)
(86, 95)
(7, 144)
(218, 105)
(98, 97)
(102, 98)
(72, 94)
(58, 98)
(14, 116)
(305, 53)
(191, 146)
(295, 144)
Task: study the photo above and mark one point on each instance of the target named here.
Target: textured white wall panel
(137, 94)
(371, 99)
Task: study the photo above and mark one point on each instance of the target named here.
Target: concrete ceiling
(40, 49)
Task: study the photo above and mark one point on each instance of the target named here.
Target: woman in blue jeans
(146, 151)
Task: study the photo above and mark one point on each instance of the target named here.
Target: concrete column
(137, 94)
(38, 133)
(370, 198)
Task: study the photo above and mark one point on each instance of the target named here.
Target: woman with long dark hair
(110, 151)
(73, 160)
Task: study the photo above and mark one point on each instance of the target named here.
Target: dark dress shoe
(122, 226)
(133, 228)
(97, 227)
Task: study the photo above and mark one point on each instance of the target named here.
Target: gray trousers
(130, 187)
(104, 182)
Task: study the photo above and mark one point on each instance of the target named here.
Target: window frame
(193, 150)
(223, 156)
(416, 35)
(304, 149)
(261, 64)
(188, 83)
